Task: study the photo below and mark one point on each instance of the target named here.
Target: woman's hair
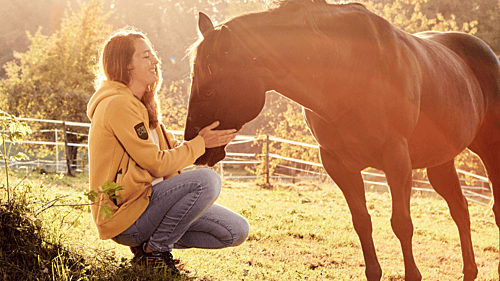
(115, 56)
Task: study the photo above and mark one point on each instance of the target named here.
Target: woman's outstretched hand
(216, 138)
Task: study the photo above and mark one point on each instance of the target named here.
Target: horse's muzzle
(211, 157)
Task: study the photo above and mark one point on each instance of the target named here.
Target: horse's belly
(360, 142)
(434, 142)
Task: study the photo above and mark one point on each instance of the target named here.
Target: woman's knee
(240, 231)
(209, 181)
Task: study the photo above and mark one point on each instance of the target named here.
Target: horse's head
(224, 85)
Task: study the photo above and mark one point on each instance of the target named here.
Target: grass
(298, 232)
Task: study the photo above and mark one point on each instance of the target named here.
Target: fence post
(221, 170)
(57, 152)
(267, 160)
(68, 161)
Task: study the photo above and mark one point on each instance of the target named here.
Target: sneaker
(156, 260)
(135, 249)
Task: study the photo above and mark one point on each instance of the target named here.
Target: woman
(159, 208)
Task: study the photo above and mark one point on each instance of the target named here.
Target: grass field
(298, 232)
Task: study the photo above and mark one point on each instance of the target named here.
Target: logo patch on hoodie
(141, 131)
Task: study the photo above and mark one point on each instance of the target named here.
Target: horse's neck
(316, 75)
(317, 68)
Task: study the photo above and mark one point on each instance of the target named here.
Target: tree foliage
(17, 17)
(174, 104)
(408, 15)
(485, 12)
(54, 78)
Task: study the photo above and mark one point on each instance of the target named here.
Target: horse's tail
(494, 86)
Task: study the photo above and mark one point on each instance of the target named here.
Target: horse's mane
(286, 13)
(283, 3)
(283, 13)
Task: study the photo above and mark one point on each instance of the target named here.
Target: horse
(372, 96)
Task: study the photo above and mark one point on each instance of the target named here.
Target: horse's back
(477, 55)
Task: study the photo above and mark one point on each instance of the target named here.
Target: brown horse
(373, 96)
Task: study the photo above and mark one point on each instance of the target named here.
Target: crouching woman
(159, 208)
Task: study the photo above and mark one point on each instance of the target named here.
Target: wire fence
(237, 165)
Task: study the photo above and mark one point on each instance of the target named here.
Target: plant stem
(6, 161)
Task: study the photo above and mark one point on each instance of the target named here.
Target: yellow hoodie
(121, 150)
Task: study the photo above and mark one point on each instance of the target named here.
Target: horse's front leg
(352, 187)
(397, 167)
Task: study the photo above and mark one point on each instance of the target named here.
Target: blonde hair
(115, 56)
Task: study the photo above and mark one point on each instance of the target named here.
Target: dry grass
(302, 232)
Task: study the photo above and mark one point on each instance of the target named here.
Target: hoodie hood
(108, 89)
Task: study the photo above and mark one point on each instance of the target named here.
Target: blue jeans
(181, 214)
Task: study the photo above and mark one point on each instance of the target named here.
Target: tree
(408, 15)
(12, 30)
(54, 78)
(485, 12)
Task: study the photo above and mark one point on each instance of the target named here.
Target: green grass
(298, 232)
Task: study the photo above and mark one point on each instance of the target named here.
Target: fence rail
(478, 194)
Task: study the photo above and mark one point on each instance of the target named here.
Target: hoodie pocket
(132, 178)
(103, 216)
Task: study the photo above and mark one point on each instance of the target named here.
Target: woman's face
(143, 68)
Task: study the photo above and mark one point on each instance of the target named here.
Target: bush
(24, 253)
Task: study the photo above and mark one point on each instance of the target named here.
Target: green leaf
(91, 195)
(20, 156)
(110, 188)
(106, 211)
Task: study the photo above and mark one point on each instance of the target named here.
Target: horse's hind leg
(353, 188)
(488, 149)
(445, 181)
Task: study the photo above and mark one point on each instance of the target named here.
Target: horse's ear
(224, 40)
(204, 24)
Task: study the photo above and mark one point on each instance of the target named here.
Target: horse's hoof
(374, 275)
(413, 276)
(470, 274)
(470, 277)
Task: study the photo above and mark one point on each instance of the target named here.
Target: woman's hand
(216, 138)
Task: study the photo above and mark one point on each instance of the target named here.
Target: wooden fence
(373, 179)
